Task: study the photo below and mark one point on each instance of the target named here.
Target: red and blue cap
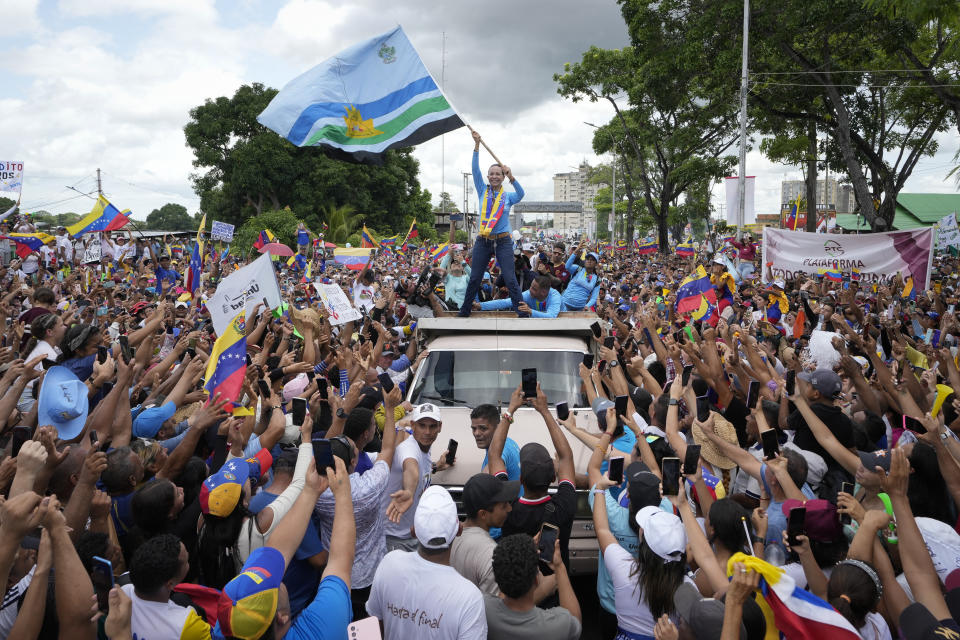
(221, 492)
(248, 603)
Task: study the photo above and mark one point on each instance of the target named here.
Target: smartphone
(365, 629)
(791, 381)
(615, 471)
(796, 525)
(528, 379)
(548, 540)
(101, 354)
(670, 474)
(609, 341)
(703, 409)
(771, 447)
(563, 411)
(386, 382)
(266, 305)
(621, 404)
(913, 425)
(322, 454)
(322, 386)
(588, 360)
(597, 331)
(602, 366)
(264, 388)
(685, 376)
(691, 460)
(249, 360)
(299, 410)
(102, 576)
(753, 393)
(451, 450)
(846, 487)
(20, 435)
(126, 351)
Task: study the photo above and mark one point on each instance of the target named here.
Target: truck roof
(570, 324)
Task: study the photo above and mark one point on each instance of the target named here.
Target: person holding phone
(367, 491)
(494, 238)
(537, 473)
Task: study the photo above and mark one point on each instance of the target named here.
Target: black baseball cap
(483, 491)
(917, 623)
(536, 466)
(643, 487)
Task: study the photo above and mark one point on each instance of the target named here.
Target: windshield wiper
(443, 400)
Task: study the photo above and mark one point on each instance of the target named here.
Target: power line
(856, 86)
(800, 73)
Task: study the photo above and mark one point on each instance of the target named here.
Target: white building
(791, 189)
(574, 186)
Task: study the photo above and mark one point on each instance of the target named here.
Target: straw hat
(708, 450)
(301, 317)
(185, 412)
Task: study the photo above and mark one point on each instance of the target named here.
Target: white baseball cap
(435, 521)
(426, 410)
(663, 533)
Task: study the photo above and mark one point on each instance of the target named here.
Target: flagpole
(742, 177)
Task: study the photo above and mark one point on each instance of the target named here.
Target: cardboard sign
(339, 307)
(221, 231)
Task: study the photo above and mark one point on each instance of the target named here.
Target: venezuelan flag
(855, 275)
(686, 249)
(354, 259)
(265, 237)
(228, 364)
(27, 243)
(621, 245)
(439, 252)
(791, 222)
(706, 312)
(909, 291)
(103, 217)
(833, 275)
(648, 247)
(195, 267)
(367, 241)
(789, 610)
(694, 287)
(412, 232)
(389, 242)
(297, 262)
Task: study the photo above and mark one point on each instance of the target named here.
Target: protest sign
(221, 231)
(244, 287)
(11, 176)
(337, 304)
(93, 251)
(948, 235)
(878, 257)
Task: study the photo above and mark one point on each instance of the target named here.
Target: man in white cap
(417, 594)
(410, 476)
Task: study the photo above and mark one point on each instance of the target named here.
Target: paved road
(586, 590)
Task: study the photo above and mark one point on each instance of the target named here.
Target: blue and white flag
(374, 96)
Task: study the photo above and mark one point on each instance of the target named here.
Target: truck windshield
(472, 378)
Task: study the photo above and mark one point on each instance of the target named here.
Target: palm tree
(341, 223)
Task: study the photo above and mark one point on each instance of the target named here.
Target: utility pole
(742, 175)
(99, 186)
(611, 226)
(466, 203)
(443, 150)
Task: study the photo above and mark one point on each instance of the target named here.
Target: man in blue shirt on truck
(493, 236)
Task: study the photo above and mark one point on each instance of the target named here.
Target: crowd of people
(787, 464)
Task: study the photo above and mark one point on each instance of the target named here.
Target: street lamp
(613, 189)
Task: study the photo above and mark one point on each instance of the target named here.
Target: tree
(244, 169)
(171, 217)
(446, 204)
(341, 224)
(283, 223)
(6, 203)
(679, 120)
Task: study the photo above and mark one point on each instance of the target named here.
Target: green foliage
(342, 224)
(171, 217)
(282, 223)
(244, 169)
(460, 236)
(446, 204)
(6, 203)
(47, 220)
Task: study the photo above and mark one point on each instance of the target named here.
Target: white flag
(243, 288)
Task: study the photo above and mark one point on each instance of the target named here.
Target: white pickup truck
(478, 360)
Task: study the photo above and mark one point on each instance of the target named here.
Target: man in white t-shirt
(410, 476)
(64, 247)
(363, 290)
(417, 594)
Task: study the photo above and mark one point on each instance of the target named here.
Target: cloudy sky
(109, 83)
